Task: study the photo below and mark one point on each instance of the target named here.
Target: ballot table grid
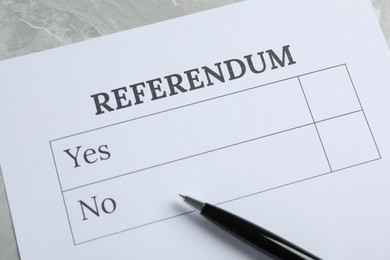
(318, 105)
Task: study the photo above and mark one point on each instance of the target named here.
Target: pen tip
(196, 204)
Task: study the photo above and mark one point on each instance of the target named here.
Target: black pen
(263, 240)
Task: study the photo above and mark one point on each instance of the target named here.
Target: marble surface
(28, 26)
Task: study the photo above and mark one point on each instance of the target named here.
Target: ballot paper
(275, 110)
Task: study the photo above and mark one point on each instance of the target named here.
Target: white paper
(296, 141)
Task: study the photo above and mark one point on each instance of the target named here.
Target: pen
(263, 240)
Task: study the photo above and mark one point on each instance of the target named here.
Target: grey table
(28, 26)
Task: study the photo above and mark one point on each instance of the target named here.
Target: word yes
(89, 155)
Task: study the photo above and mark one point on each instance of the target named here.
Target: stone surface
(382, 8)
(28, 26)
(33, 25)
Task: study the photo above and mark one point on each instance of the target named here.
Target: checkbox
(330, 93)
(347, 141)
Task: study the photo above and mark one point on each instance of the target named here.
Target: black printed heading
(190, 80)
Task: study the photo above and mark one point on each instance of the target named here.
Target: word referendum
(189, 80)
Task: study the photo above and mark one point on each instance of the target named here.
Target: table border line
(253, 139)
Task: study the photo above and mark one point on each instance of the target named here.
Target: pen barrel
(258, 237)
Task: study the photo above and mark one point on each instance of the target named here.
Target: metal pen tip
(196, 204)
